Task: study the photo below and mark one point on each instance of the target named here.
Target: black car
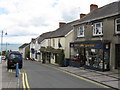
(13, 58)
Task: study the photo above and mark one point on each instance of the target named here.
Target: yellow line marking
(11, 70)
(79, 77)
(23, 81)
(26, 79)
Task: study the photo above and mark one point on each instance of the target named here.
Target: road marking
(25, 81)
(9, 70)
(78, 77)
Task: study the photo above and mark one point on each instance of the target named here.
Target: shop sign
(84, 45)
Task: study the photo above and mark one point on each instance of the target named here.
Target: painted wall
(32, 45)
(68, 38)
(108, 34)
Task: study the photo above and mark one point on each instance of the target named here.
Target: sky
(26, 19)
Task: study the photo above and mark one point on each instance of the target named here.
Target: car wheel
(20, 67)
(8, 67)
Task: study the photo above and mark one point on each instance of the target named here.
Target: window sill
(80, 36)
(97, 36)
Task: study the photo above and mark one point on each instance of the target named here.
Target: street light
(2, 44)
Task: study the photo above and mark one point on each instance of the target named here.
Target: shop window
(106, 59)
(94, 58)
(97, 29)
(117, 26)
(81, 31)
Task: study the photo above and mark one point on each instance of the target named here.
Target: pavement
(9, 79)
(0, 76)
(108, 78)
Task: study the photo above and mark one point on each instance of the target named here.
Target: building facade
(32, 49)
(97, 38)
(23, 49)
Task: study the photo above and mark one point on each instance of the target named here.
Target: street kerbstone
(109, 78)
(115, 75)
(112, 83)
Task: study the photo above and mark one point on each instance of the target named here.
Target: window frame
(78, 31)
(116, 31)
(94, 28)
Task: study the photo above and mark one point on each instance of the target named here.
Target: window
(97, 29)
(81, 31)
(53, 42)
(118, 25)
(49, 42)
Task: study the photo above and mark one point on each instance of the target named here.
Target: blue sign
(90, 45)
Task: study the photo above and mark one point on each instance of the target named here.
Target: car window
(15, 56)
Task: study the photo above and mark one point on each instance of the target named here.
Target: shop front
(93, 54)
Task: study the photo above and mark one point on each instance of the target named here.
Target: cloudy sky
(26, 19)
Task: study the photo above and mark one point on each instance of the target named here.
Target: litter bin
(66, 62)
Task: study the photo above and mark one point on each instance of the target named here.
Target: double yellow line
(25, 81)
(10, 70)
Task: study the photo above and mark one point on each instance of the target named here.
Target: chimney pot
(61, 24)
(93, 7)
(82, 15)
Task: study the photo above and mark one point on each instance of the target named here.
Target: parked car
(13, 58)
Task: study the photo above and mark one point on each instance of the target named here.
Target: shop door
(117, 61)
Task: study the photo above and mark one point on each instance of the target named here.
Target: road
(46, 76)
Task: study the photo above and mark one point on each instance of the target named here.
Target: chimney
(82, 15)
(93, 7)
(61, 24)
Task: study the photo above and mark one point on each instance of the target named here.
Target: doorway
(117, 54)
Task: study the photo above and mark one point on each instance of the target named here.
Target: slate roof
(60, 32)
(109, 10)
(43, 36)
(24, 45)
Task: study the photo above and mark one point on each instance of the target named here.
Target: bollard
(17, 71)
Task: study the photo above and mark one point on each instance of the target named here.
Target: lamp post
(2, 44)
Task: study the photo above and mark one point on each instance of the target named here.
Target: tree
(4, 53)
(27, 54)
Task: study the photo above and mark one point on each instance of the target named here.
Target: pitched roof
(24, 45)
(109, 10)
(60, 32)
(43, 36)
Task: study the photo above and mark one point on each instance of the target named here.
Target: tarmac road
(37, 75)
